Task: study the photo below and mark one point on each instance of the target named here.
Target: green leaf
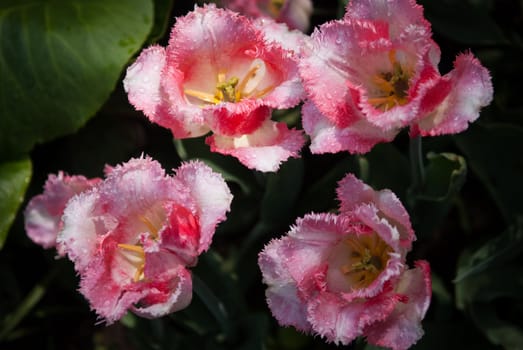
(59, 61)
(212, 302)
(444, 176)
(24, 308)
(498, 331)
(14, 179)
(162, 14)
(494, 253)
(281, 192)
(494, 153)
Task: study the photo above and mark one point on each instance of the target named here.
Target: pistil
(393, 86)
(367, 259)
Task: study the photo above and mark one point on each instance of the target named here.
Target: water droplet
(338, 40)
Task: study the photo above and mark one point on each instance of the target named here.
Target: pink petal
(466, 90)
(296, 14)
(288, 39)
(320, 229)
(43, 214)
(139, 184)
(341, 322)
(286, 307)
(402, 16)
(327, 67)
(402, 328)
(142, 81)
(82, 224)
(379, 209)
(236, 119)
(211, 195)
(181, 236)
(327, 137)
(179, 296)
(264, 149)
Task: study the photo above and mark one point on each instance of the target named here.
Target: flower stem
(416, 164)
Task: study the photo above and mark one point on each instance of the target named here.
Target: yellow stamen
(152, 228)
(368, 257)
(137, 261)
(393, 86)
(133, 248)
(248, 76)
(138, 275)
(205, 97)
(259, 94)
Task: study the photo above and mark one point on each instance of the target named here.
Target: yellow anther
(138, 275)
(205, 97)
(133, 248)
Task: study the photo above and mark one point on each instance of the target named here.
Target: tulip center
(135, 255)
(391, 87)
(367, 258)
(275, 7)
(233, 88)
(152, 221)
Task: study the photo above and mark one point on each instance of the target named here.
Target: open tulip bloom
(133, 235)
(375, 71)
(343, 276)
(220, 74)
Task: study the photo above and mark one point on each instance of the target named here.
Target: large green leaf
(14, 178)
(494, 153)
(59, 61)
(493, 253)
(162, 15)
(489, 279)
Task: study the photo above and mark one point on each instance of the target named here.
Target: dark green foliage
(62, 107)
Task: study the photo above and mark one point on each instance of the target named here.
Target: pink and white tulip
(132, 237)
(343, 276)
(294, 13)
(218, 74)
(377, 69)
(43, 214)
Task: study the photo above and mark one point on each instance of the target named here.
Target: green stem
(213, 304)
(24, 308)
(416, 164)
